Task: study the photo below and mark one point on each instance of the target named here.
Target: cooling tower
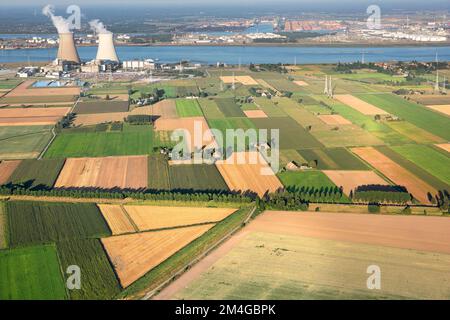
(67, 50)
(106, 50)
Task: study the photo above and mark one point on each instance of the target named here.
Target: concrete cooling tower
(106, 50)
(67, 50)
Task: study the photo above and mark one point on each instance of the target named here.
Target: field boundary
(197, 259)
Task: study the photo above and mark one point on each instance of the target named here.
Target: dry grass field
(165, 109)
(25, 90)
(245, 80)
(134, 255)
(248, 175)
(6, 170)
(31, 116)
(117, 219)
(92, 119)
(360, 105)
(254, 114)
(155, 217)
(444, 109)
(334, 119)
(350, 180)
(129, 172)
(431, 99)
(318, 255)
(444, 146)
(396, 173)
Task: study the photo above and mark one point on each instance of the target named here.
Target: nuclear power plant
(106, 50)
(67, 50)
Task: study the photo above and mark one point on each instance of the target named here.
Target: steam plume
(98, 27)
(61, 24)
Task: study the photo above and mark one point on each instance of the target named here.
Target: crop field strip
(136, 254)
(149, 218)
(32, 223)
(31, 273)
(101, 107)
(200, 177)
(37, 174)
(3, 226)
(158, 173)
(117, 219)
(188, 108)
(229, 107)
(293, 180)
(350, 180)
(7, 168)
(333, 158)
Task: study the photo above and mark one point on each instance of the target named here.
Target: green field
(133, 140)
(288, 155)
(278, 266)
(198, 177)
(229, 107)
(37, 174)
(3, 226)
(31, 273)
(158, 173)
(411, 112)
(210, 109)
(270, 107)
(188, 108)
(23, 142)
(292, 135)
(428, 159)
(41, 222)
(333, 159)
(298, 179)
(98, 278)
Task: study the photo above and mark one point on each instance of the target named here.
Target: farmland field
(3, 226)
(153, 217)
(136, 254)
(299, 179)
(23, 142)
(7, 168)
(188, 108)
(98, 278)
(117, 219)
(287, 255)
(210, 109)
(38, 222)
(350, 180)
(31, 273)
(411, 112)
(414, 133)
(201, 177)
(428, 159)
(133, 140)
(158, 173)
(37, 174)
(270, 107)
(229, 107)
(101, 107)
(335, 158)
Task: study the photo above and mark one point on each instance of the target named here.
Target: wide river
(244, 54)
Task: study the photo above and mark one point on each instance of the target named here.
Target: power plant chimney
(67, 50)
(106, 50)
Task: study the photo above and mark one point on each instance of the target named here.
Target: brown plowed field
(6, 170)
(334, 119)
(25, 121)
(360, 105)
(349, 180)
(91, 119)
(23, 90)
(105, 173)
(31, 116)
(444, 109)
(248, 176)
(245, 80)
(165, 109)
(117, 219)
(154, 217)
(134, 255)
(444, 146)
(431, 99)
(396, 173)
(254, 114)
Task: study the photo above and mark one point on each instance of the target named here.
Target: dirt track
(410, 232)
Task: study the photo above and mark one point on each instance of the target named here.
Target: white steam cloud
(61, 24)
(98, 27)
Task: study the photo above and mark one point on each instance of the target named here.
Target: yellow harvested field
(254, 114)
(245, 80)
(350, 180)
(248, 171)
(155, 217)
(165, 109)
(25, 90)
(334, 119)
(91, 119)
(129, 172)
(444, 108)
(444, 146)
(6, 170)
(396, 173)
(31, 116)
(134, 255)
(360, 105)
(301, 83)
(117, 219)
